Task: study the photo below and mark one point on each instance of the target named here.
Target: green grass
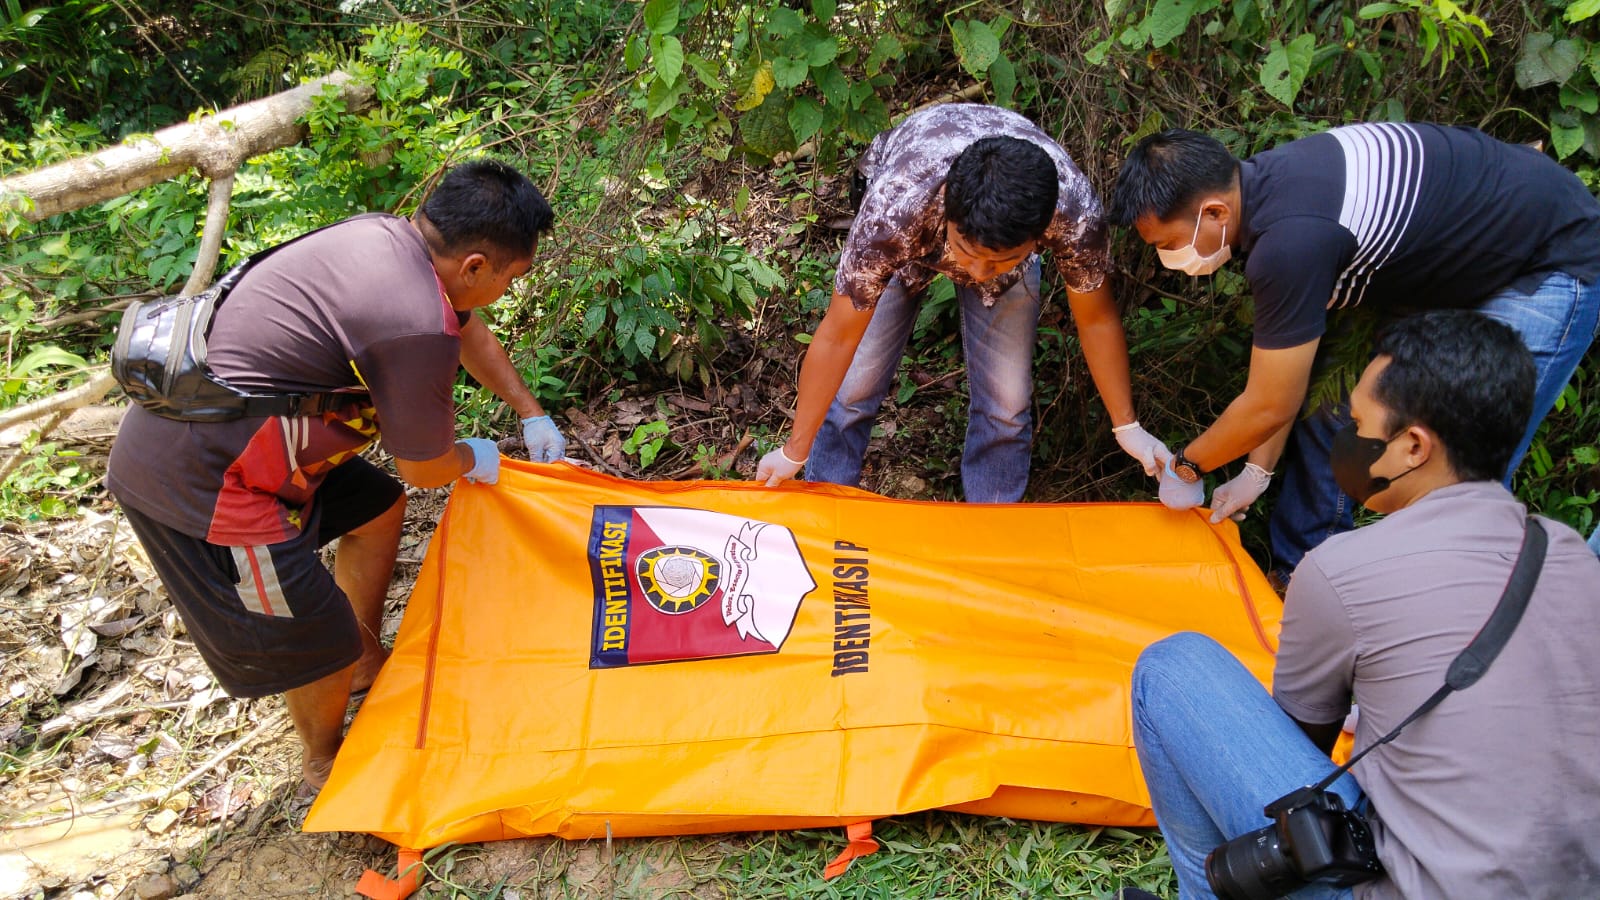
(922, 857)
(948, 855)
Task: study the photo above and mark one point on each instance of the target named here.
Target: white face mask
(1189, 261)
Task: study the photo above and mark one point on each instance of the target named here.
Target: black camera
(1312, 838)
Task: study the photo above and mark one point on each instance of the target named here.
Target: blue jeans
(998, 344)
(1215, 748)
(1558, 322)
(1594, 541)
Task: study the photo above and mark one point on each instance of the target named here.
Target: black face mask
(1352, 457)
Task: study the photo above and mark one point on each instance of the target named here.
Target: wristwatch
(1185, 468)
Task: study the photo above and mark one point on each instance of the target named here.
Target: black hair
(1467, 378)
(1168, 172)
(1002, 191)
(487, 206)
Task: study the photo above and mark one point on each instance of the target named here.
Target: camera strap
(1472, 662)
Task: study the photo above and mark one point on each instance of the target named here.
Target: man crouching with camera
(1494, 792)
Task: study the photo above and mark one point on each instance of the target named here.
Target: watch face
(1185, 470)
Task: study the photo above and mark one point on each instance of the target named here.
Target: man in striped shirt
(1395, 216)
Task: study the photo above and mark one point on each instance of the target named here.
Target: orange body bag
(585, 655)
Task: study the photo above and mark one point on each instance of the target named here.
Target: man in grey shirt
(1495, 792)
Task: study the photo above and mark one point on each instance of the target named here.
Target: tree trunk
(215, 145)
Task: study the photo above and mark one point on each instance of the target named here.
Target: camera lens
(1252, 867)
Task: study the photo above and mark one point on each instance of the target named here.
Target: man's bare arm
(1105, 349)
(827, 360)
(1272, 397)
(485, 358)
(436, 472)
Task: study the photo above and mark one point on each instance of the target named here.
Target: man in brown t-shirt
(232, 513)
(1494, 792)
(974, 193)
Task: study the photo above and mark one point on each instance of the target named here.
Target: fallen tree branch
(214, 145)
(99, 384)
(89, 315)
(86, 711)
(60, 723)
(205, 262)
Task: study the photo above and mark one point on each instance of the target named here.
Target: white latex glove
(776, 467)
(1142, 446)
(1177, 493)
(485, 461)
(1234, 496)
(543, 439)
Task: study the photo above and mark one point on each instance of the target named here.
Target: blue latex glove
(543, 439)
(485, 461)
(1179, 494)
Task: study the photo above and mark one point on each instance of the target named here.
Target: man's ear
(1420, 445)
(1216, 209)
(472, 267)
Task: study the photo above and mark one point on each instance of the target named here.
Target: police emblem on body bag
(159, 358)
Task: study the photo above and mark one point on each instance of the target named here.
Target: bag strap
(231, 278)
(288, 404)
(296, 404)
(1470, 664)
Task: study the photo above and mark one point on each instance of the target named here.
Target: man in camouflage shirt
(974, 193)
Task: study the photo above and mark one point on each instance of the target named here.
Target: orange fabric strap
(399, 887)
(861, 844)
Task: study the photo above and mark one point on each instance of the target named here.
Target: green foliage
(1346, 349)
(709, 462)
(1566, 59)
(1445, 28)
(647, 440)
(1561, 475)
(45, 483)
(41, 356)
(374, 159)
(1285, 68)
(788, 73)
(977, 46)
(128, 67)
(1350, 56)
(662, 298)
